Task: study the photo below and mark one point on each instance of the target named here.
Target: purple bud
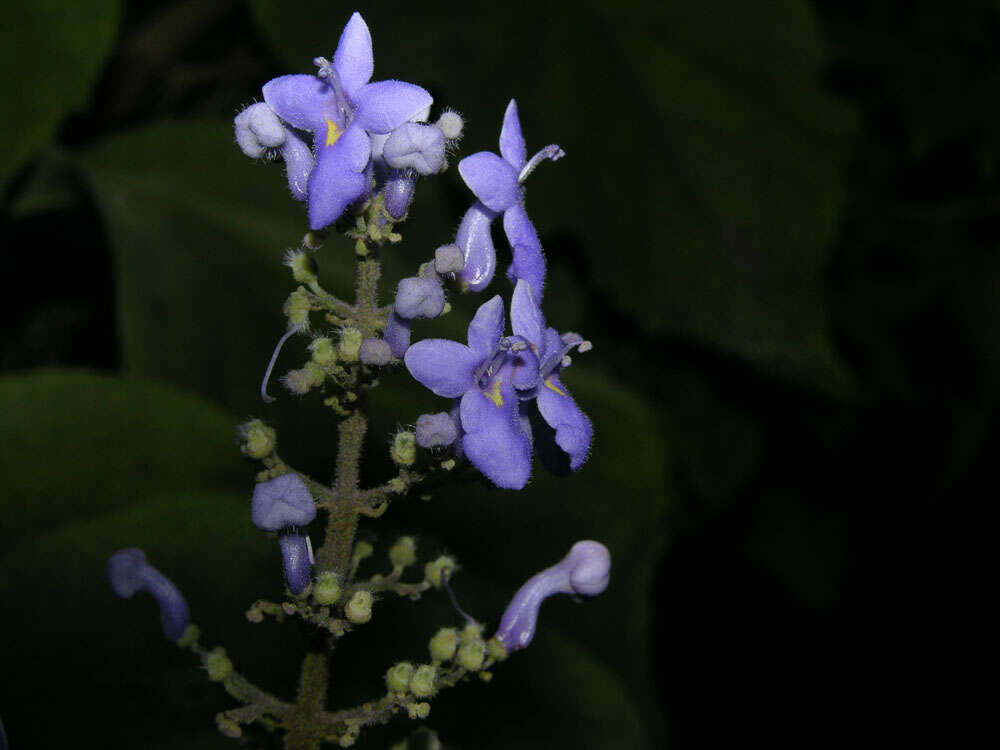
(283, 501)
(398, 193)
(375, 352)
(296, 559)
(436, 430)
(258, 129)
(415, 146)
(584, 571)
(397, 334)
(129, 573)
(448, 259)
(418, 297)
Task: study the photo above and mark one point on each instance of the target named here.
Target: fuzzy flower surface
(497, 182)
(347, 117)
(482, 377)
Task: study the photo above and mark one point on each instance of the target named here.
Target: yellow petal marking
(493, 394)
(549, 384)
(332, 132)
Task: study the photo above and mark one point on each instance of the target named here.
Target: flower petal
(529, 263)
(443, 366)
(414, 145)
(385, 105)
(493, 439)
(512, 146)
(526, 316)
(486, 328)
(298, 163)
(339, 176)
(302, 101)
(492, 179)
(476, 243)
(573, 429)
(353, 59)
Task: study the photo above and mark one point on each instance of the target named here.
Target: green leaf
(80, 444)
(52, 52)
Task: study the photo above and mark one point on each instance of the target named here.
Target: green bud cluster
(397, 679)
(422, 682)
(403, 552)
(434, 569)
(257, 439)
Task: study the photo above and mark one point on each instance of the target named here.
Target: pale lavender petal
(385, 105)
(338, 178)
(298, 164)
(492, 179)
(529, 263)
(526, 316)
(397, 334)
(443, 366)
(280, 502)
(486, 328)
(416, 146)
(353, 59)
(493, 439)
(303, 101)
(512, 146)
(573, 429)
(418, 297)
(476, 243)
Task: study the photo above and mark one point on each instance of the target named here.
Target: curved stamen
(274, 358)
(559, 358)
(445, 575)
(329, 74)
(552, 152)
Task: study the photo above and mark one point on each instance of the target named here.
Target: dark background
(776, 221)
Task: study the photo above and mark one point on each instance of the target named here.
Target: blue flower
(562, 432)
(130, 573)
(348, 118)
(482, 377)
(497, 183)
(283, 504)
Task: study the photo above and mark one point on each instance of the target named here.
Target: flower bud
(443, 645)
(228, 727)
(422, 682)
(472, 655)
(296, 308)
(303, 265)
(397, 679)
(327, 588)
(350, 344)
(375, 352)
(436, 430)
(403, 552)
(404, 448)
(418, 297)
(398, 193)
(433, 570)
(258, 440)
(359, 608)
(418, 710)
(323, 351)
(451, 124)
(218, 665)
(495, 650)
(362, 551)
(471, 632)
(415, 146)
(448, 259)
(258, 129)
(297, 381)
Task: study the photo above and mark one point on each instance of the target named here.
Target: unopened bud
(448, 259)
(350, 344)
(296, 308)
(495, 650)
(327, 588)
(323, 351)
(375, 352)
(422, 682)
(418, 297)
(404, 448)
(472, 655)
(359, 608)
(434, 570)
(257, 439)
(443, 645)
(436, 430)
(297, 381)
(418, 710)
(303, 265)
(451, 124)
(397, 679)
(472, 632)
(228, 727)
(403, 552)
(218, 665)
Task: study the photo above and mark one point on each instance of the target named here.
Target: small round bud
(472, 632)
(350, 344)
(422, 682)
(297, 381)
(362, 551)
(359, 608)
(434, 569)
(314, 371)
(451, 124)
(418, 297)
(397, 194)
(403, 552)
(228, 727)
(472, 655)
(418, 710)
(327, 588)
(296, 308)
(428, 270)
(303, 265)
(404, 448)
(448, 259)
(218, 665)
(323, 351)
(436, 430)
(257, 439)
(443, 645)
(397, 679)
(495, 650)
(375, 352)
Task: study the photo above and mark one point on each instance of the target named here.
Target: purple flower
(558, 424)
(496, 182)
(260, 133)
(482, 377)
(584, 571)
(284, 505)
(343, 111)
(129, 573)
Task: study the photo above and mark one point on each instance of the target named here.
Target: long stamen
(445, 575)
(552, 152)
(554, 360)
(274, 358)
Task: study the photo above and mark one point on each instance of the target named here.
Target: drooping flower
(482, 377)
(259, 132)
(552, 408)
(347, 117)
(129, 573)
(585, 571)
(284, 504)
(497, 183)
